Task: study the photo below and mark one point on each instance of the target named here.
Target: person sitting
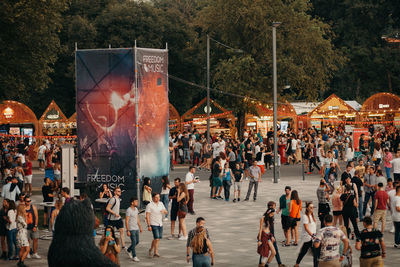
(109, 245)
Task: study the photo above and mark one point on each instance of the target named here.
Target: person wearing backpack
(114, 219)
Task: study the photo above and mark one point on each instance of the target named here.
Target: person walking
(154, 214)
(28, 176)
(337, 207)
(165, 188)
(371, 244)
(381, 203)
(396, 167)
(284, 201)
(12, 230)
(182, 199)
(255, 178)
(22, 235)
(190, 180)
(216, 179)
(328, 239)
(173, 195)
(200, 222)
(387, 158)
(323, 198)
(308, 234)
(269, 216)
(32, 220)
(349, 211)
(133, 227)
(238, 174)
(202, 250)
(369, 189)
(294, 216)
(227, 177)
(265, 247)
(396, 217)
(114, 218)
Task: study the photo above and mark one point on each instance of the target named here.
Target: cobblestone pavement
(233, 226)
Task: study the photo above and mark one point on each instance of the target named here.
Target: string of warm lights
(39, 136)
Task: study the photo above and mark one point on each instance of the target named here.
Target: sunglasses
(28, 201)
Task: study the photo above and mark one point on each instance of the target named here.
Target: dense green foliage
(323, 46)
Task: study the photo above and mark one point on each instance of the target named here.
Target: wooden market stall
(263, 122)
(332, 111)
(17, 119)
(54, 122)
(380, 108)
(174, 119)
(72, 123)
(221, 119)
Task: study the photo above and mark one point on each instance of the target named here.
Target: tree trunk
(240, 124)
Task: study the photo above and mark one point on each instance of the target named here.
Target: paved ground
(233, 226)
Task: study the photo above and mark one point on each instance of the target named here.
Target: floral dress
(22, 235)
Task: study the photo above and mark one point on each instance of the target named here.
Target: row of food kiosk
(18, 119)
(379, 109)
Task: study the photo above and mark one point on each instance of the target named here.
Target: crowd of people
(358, 193)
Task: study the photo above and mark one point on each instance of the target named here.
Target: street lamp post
(208, 89)
(274, 26)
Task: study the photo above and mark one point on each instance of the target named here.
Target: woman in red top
(294, 215)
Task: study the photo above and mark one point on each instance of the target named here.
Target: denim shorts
(157, 231)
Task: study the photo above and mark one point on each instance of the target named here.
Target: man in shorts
(284, 201)
(382, 201)
(32, 220)
(173, 195)
(114, 219)
(238, 174)
(41, 156)
(28, 176)
(154, 214)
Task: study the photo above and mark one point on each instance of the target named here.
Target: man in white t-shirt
(41, 156)
(133, 227)
(396, 167)
(215, 147)
(154, 216)
(396, 217)
(190, 181)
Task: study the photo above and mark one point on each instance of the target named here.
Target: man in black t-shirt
(48, 196)
(346, 174)
(173, 194)
(371, 244)
(238, 175)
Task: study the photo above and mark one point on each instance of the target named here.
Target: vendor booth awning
(221, 119)
(333, 108)
(17, 118)
(381, 108)
(174, 119)
(54, 122)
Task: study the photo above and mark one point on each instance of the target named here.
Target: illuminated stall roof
(381, 102)
(173, 113)
(200, 110)
(53, 113)
(13, 112)
(333, 106)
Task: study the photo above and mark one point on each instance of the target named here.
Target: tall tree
(306, 56)
(29, 44)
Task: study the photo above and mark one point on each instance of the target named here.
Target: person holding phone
(109, 245)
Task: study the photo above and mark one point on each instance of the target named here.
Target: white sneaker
(136, 259)
(392, 230)
(28, 256)
(182, 238)
(165, 219)
(36, 256)
(129, 253)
